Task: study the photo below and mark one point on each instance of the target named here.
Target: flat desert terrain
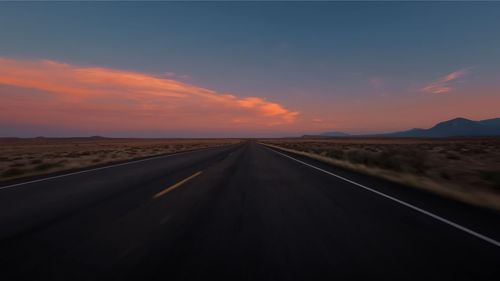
(36, 156)
(466, 169)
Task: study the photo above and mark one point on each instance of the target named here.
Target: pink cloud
(111, 98)
(442, 85)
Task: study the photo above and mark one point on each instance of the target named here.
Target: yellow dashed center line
(165, 191)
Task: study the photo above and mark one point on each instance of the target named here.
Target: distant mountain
(334, 134)
(453, 128)
(458, 127)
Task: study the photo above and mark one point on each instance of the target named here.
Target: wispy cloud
(173, 74)
(444, 84)
(95, 96)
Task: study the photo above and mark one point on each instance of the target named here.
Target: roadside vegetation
(29, 157)
(467, 169)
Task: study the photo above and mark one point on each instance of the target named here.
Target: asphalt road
(243, 212)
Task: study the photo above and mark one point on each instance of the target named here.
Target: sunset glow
(145, 101)
(350, 67)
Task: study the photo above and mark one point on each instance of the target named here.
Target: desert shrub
(478, 151)
(388, 159)
(444, 175)
(415, 160)
(360, 157)
(45, 166)
(315, 150)
(492, 176)
(36, 161)
(452, 156)
(370, 149)
(4, 159)
(73, 155)
(12, 172)
(50, 155)
(335, 153)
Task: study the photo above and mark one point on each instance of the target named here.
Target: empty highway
(241, 212)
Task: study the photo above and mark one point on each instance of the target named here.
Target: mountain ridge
(457, 127)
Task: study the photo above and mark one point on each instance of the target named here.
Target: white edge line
(105, 167)
(432, 215)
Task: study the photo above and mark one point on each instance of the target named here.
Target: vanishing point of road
(240, 212)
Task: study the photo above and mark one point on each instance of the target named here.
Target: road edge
(450, 194)
(82, 170)
(394, 199)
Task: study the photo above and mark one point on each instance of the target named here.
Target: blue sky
(321, 59)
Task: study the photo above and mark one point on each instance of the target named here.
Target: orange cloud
(268, 109)
(442, 85)
(103, 97)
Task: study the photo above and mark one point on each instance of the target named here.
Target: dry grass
(29, 157)
(467, 169)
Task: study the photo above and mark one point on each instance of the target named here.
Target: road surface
(242, 212)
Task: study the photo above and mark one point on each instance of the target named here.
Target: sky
(244, 69)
